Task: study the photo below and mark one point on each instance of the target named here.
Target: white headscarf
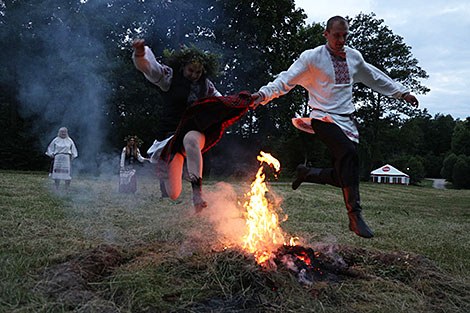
(63, 130)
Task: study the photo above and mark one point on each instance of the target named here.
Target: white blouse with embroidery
(62, 145)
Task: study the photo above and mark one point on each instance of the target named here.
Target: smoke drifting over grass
(61, 81)
(225, 213)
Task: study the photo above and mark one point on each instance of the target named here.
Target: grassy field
(94, 250)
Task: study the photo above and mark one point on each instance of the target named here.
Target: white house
(387, 174)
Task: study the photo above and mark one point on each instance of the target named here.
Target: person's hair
(128, 151)
(66, 132)
(137, 143)
(187, 55)
(333, 20)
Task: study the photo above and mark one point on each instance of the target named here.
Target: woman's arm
(145, 61)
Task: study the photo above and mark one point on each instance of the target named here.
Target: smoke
(225, 213)
(63, 84)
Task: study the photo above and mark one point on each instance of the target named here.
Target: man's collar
(341, 54)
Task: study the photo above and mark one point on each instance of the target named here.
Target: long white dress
(63, 150)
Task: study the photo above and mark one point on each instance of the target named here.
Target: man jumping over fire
(328, 73)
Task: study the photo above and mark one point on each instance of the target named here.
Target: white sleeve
(123, 156)
(158, 74)
(211, 91)
(374, 78)
(139, 156)
(286, 80)
(51, 149)
(74, 150)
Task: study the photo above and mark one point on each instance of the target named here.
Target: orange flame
(264, 233)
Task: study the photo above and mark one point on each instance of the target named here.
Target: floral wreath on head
(191, 54)
(137, 140)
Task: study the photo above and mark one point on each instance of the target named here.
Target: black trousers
(345, 170)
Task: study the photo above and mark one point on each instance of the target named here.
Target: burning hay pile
(269, 244)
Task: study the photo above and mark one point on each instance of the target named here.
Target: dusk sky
(438, 32)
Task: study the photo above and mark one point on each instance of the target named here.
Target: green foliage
(461, 172)
(191, 54)
(447, 170)
(461, 138)
(137, 140)
(433, 165)
(415, 169)
(413, 166)
(388, 52)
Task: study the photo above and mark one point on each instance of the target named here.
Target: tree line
(67, 63)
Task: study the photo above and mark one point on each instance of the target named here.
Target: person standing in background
(63, 151)
(129, 157)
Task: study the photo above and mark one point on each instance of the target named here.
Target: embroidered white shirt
(315, 72)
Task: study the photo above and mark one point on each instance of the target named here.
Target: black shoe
(356, 222)
(359, 226)
(302, 172)
(305, 174)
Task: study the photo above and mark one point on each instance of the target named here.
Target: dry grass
(153, 255)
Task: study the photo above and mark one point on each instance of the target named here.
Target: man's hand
(411, 100)
(139, 47)
(257, 98)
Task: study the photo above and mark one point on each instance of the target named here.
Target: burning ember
(264, 233)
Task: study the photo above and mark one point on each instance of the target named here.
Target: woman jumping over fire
(194, 117)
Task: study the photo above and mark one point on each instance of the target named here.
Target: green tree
(447, 170)
(411, 165)
(461, 138)
(415, 169)
(438, 136)
(388, 52)
(258, 40)
(461, 172)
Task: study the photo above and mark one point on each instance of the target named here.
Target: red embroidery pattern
(61, 171)
(341, 70)
(351, 134)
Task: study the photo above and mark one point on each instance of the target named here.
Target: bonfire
(266, 240)
(264, 233)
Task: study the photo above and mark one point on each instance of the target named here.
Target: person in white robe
(328, 73)
(63, 151)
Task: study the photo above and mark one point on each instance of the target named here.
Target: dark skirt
(210, 116)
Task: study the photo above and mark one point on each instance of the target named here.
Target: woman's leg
(67, 184)
(173, 181)
(57, 183)
(193, 143)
